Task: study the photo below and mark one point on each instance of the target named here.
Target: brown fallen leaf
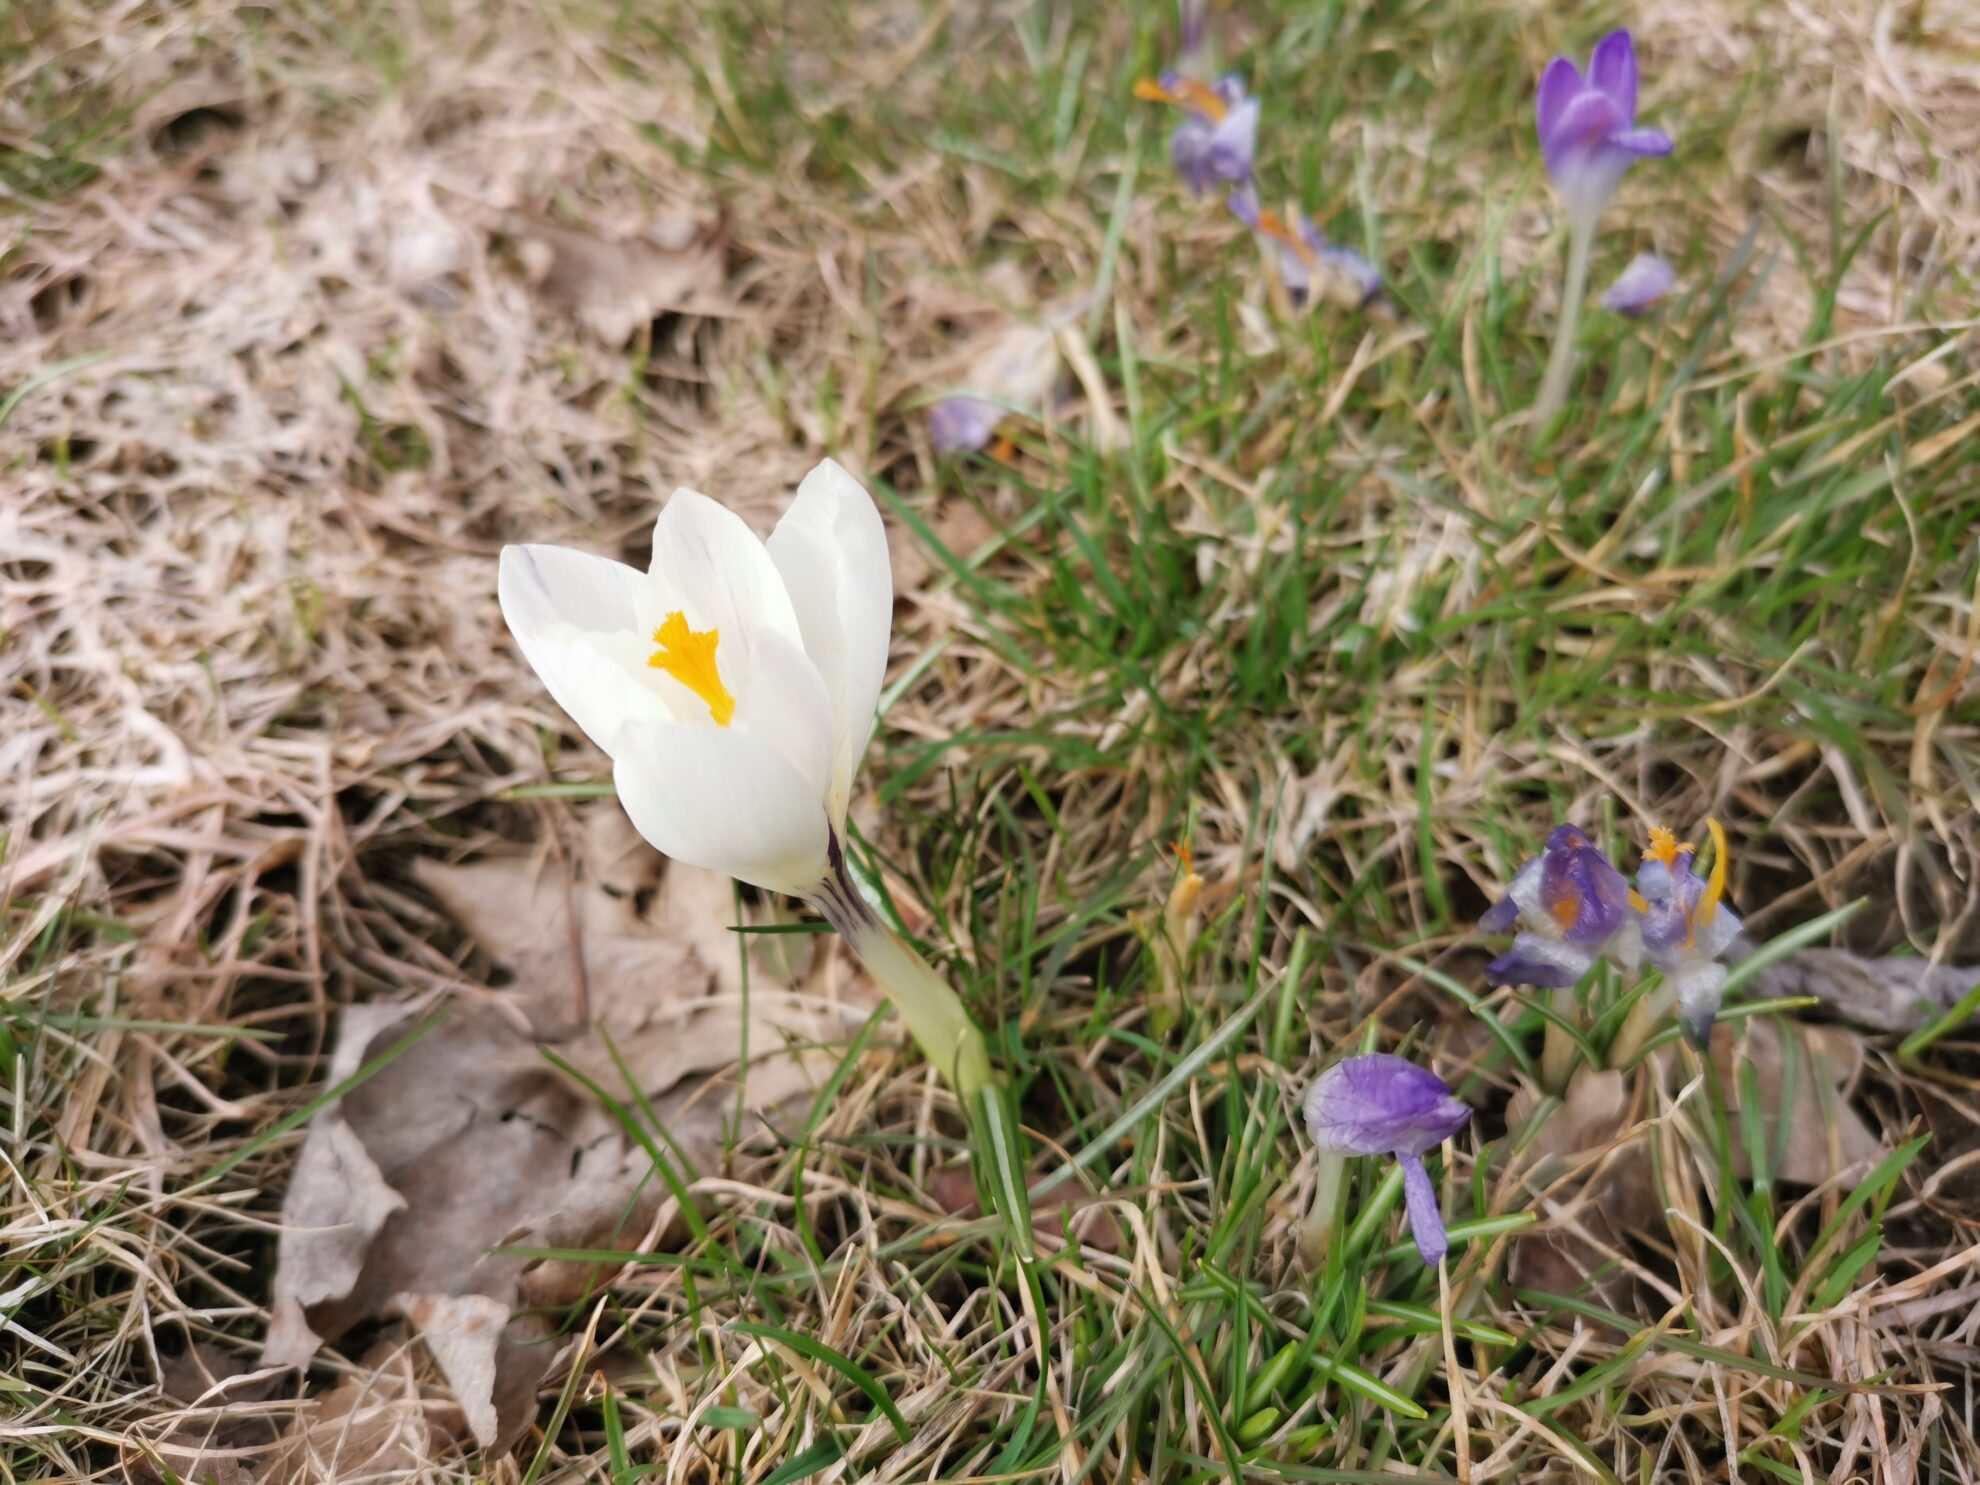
(615, 286)
(954, 1190)
(1790, 1062)
(410, 1187)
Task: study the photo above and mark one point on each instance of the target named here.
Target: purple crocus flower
(1571, 907)
(959, 425)
(1647, 279)
(1686, 924)
(1588, 130)
(1384, 1105)
(1302, 250)
(1219, 138)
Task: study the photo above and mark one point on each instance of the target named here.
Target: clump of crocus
(1219, 138)
(1687, 925)
(1381, 1105)
(1647, 279)
(1589, 137)
(1303, 254)
(1571, 908)
(734, 685)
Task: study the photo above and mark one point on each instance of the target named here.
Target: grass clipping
(415, 1189)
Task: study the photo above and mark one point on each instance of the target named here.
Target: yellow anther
(688, 655)
(1187, 93)
(1636, 900)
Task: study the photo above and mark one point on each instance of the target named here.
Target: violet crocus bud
(1384, 1105)
(1647, 279)
(958, 425)
(1571, 907)
(1219, 139)
(1588, 130)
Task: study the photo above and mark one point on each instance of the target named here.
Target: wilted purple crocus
(1687, 926)
(1571, 907)
(1588, 130)
(958, 425)
(1219, 138)
(1384, 1105)
(1303, 251)
(1647, 279)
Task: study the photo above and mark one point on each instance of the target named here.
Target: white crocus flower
(733, 685)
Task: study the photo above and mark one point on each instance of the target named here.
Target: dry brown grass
(338, 317)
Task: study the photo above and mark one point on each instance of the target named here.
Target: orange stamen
(688, 655)
(1270, 225)
(1187, 93)
(1636, 901)
(1565, 910)
(1664, 846)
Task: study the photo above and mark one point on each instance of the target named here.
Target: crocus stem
(1554, 386)
(927, 1003)
(1558, 1051)
(1318, 1228)
(1637, 1026)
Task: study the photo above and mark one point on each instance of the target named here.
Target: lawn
(1230, 684)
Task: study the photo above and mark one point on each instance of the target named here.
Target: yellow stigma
(1664, 846)
(688, 655)
(1715, 885)
(1187, 93)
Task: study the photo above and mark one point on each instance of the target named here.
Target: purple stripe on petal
(1426, 1217)
(1613, 69)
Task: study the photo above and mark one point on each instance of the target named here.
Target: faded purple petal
(1353, 267)
(1642, 143)
(1541, 963)
(1613, 69)
(1244, 206)
(1585, 125)
(1189, 151)
(1560, 84)
(1382, 1105)
(1647, 279)
(963, 424)
(1426, 1217)
(1501, 917)
(1233, 142)
(1585, 895)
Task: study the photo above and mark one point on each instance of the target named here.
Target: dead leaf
(411, 1187)
(614, 287)
(1889, 994)
(1594, 1216)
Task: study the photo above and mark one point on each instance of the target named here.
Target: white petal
(569, 612)
(725, 799)
(711, 566)
(832, 551)
(785, 701)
